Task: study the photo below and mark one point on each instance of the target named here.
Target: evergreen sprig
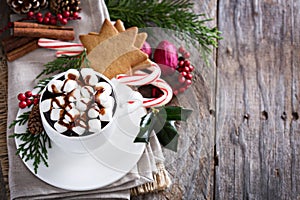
(33, 147)
(22, 119)
(64, 63)
(176, 15)
(43, 83)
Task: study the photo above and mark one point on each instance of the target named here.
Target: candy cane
(62, 48)
(142, 78)
(67, 53)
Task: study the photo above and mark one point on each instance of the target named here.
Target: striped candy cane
(62, 48)
(142, 78)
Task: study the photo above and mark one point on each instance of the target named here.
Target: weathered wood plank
(257, 126)
(192, 167)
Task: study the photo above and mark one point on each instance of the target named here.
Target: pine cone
(35, 125)
(59, 6)
(24, 6)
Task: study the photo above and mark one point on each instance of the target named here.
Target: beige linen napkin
(21, 74)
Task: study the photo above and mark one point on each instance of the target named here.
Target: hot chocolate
(78, 103)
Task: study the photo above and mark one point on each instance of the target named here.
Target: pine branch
(175, 15)
(64, 63)
(33, 147)
(22, 119)
(43, 83)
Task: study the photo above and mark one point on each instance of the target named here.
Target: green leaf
(176, 113)
(146, 127)
(168, 136)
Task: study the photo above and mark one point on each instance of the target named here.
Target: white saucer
(99, 168)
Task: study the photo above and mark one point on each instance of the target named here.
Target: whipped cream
(79, 103)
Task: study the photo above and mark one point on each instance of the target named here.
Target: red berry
(188, 82)
(48, 14)
(46, 20)
(59, 17)
(192, 68)
(181, 79)
(21, 97)
(187, 63)
(38, 15)
(28, 102)
(22, 104)
(175, 92)
(53, 21)
(186, 55)
(181, 50)
(28, 94)
(180, 69)
(183, 73)
(186, 69)
(66, 14)
(181, 90)
(64, 21)
(39, 19)
(35, 101)
(189, 76)
(181, 63)
(75, 15)
(30, 14)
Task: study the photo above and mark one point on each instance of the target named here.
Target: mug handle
(131, 104)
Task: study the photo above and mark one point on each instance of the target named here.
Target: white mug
(127, 101)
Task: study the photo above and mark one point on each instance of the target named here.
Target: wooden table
(243, 141)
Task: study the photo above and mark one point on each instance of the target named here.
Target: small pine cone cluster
(59, 6)
(25, 6)
(35, 125)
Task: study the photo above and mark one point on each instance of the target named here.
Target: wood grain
(257, 100)
(192, 167)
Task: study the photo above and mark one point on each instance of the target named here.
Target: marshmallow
(72, 74)
(69, 85)
(89, 76)
(56, 114)
(55, 86)
(74, 95)
(107, 116)
(78, 129)
(87, 91)
(60, 128)
(45, 105)
(73, 113)
(93, 112)
(108, 103)
(105, 87)
(70, 106)
(94, 125)
(59, 102)
(82, 104)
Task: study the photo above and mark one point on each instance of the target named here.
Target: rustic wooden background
(243, 141)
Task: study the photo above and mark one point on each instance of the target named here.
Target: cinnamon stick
(42, 26)
(12, 42)
(21, 51)
(45, 33)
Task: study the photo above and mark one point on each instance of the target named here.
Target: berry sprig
(27, 99)
(185, 69)
(48, 18)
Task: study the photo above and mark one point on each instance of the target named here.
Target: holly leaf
(176, 113)
(161, 121)
(146, 127)
(168, 136)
